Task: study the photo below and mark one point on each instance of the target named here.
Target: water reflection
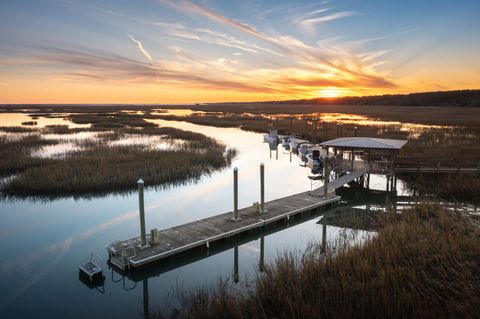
(16, 119)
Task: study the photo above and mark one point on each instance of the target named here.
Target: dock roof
(365, 142)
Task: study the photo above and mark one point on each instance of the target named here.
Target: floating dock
(130, 254)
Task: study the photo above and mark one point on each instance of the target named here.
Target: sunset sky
(160, 51)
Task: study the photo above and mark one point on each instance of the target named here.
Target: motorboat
(271, 137)
(294, 142)
(315, 160)
(304, 148)
(285, 142)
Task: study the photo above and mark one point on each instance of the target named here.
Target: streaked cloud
(140, 47)
(326, 18)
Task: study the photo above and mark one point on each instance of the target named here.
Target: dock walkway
(339, 182)
(126, 254)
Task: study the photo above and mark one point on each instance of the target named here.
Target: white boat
(315, 159)
(272, 136)
(304, 148)
(294, 142)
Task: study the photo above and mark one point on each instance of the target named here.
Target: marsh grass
(16, 129)
(99, 167)
(30, 123)
(422, 263)
(15, 153)
(111, 120)
(452, 187)
(107, 168)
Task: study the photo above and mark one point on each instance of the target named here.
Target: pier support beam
(262, 187)
(261, 264)
(235, 264)
(146, 307)
(142, 211)
(326, 175)
(323, 248)
(235, 193)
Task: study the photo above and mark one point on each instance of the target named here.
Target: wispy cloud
(312, 22)
(140, 47)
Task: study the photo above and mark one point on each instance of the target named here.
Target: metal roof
(366, 142)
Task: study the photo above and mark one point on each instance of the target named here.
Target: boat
(294, 142)
(272, 136)
(285, 142)
(304, 148)
(315, 160)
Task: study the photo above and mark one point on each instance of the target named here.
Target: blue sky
(188, 51)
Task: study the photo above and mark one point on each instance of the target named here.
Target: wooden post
(142, 211)
(262, 187)
(235, 193)
(235, 264)
(261, 265)
(324, 237)
(355, 131)
(146, 308)
(326, 175)
(325, 128)
(341, 127)
(314, 130)
(291, 123)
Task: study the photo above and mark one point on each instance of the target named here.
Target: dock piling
(235, 193)
(262, 187)
(142, 211)
(326, 175)
(261, 265)
(323, 248)
(235, 265)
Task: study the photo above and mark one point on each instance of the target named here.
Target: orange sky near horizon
(188, 52)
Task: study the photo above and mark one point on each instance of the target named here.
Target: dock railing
(405, 164)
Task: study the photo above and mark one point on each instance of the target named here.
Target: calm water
(42, 243)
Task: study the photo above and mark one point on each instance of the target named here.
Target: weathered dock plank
(128, 254)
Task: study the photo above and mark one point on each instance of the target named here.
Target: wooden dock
(128, 254)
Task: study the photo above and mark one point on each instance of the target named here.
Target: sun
(330, 92)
